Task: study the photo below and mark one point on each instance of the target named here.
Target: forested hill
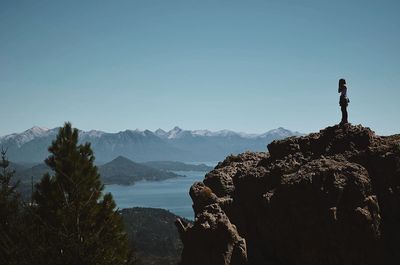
(152, 233)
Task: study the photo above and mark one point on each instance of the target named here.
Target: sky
(248, 66)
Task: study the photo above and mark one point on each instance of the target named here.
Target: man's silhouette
(344, 101)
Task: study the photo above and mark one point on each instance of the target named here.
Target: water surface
(170, 194)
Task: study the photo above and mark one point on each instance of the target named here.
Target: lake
(170, 194)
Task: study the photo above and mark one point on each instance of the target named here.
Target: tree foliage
(79, 225)
(9, 212)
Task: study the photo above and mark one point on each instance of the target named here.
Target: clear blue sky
(242, 65)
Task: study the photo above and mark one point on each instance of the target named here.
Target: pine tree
(81, 226)
(9, 212)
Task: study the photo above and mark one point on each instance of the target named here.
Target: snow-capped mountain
(91, 134)
(279, 133)
(160, 132)
(144, 145)
(177, 133)
(22, 138)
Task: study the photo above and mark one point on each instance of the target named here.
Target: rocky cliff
(331, 197)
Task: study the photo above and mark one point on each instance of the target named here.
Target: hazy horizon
(244, 66)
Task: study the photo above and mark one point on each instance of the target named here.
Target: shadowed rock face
(331, 197)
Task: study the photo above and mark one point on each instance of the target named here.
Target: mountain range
(177, 144)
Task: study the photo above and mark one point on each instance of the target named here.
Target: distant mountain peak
(174, 133)
(27, 135)
(134, 132)
(37, 129)
(280, 133)
(160, 132)
(92, 133)
(202, 132)
(125, 171)
(121, 158)
(278, 130)
(121, 161)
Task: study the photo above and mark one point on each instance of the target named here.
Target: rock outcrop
(331, 197)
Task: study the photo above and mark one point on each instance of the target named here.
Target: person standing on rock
(344, 100)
